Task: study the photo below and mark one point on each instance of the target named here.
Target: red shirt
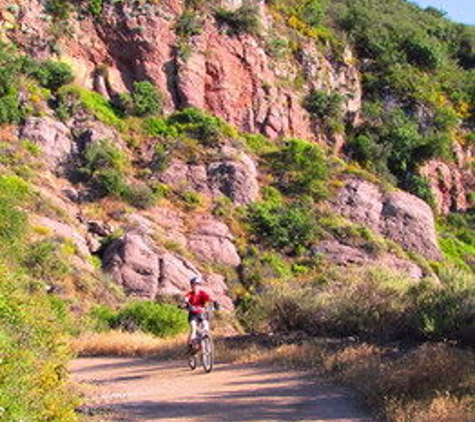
(199, 299)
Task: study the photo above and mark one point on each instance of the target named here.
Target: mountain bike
(202, 347)
(203, 350)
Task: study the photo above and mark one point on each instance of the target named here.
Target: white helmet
(196, 280)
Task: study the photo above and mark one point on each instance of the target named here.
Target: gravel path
(149, 390)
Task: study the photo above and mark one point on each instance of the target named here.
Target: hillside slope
(284, 150)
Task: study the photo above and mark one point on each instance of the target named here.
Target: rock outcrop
(344, 255)
(233, 77)
(396, 215)
(146, 272)
(234, 176)
(53, 137)
(212, 242)
(451, 182)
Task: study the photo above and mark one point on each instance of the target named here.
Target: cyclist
(196, 301)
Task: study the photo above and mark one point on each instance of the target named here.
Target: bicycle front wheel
(192, 362)
(207, 353)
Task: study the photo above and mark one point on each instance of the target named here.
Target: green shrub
(162, 320)
(146, 98)
(244, 20)
(156, 126)
(199, 125)
(73, 99)
(457, 239)
(105, 165)
(259, 144)
(33, 350)
(52, 74)
(422, 53)
(13, 222)
(102, 318)
(161, 157)
(325, 106)
(301, 168)
(260, 267)
(420, 186)
(34, 356)
(10, 111)
(103, 154)
(447, 311)
(140, 196)
(192, 199)
(111, 182)
(45, 261)
(312, 12)
(189, 25)
(290, 228)
(59, 9)
(95, 7)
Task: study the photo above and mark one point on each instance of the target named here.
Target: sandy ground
(149, 390)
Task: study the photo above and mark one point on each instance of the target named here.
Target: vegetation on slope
(33, 342)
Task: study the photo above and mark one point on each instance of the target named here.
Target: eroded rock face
(147, 273)
(212, 242)
(232, 77)
(345, 255)
(53, 137)
(134, 265)
(183, 176)
(234, 176)
(451, 182)
(397, 215)
(237, 179)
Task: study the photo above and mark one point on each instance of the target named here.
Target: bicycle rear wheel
(207, 350)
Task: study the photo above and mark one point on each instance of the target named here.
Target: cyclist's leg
(205, 324)
(193, 328)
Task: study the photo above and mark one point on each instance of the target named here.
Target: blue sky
(458, 10)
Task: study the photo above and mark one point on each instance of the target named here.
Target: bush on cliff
(211, 131)
(245, 20)
(289, 227)
(52, 74)
(301, 168)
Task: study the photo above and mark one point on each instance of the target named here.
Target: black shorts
(197, 317)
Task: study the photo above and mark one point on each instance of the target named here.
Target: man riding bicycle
(196, 301)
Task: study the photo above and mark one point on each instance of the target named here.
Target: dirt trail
(148, 390)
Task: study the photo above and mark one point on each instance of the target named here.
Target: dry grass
(120, 343)
(434, 382)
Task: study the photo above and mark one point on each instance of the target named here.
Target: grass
(432, 382)
(122, 343)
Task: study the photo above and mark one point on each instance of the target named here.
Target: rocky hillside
(254, 143)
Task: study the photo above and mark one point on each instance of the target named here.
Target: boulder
(216, 287)
(212, 242)
(344, 255)
(236, 179)
(396, 215)
(234, 175)
(183, 176)
(52, 136)
(176, 273)
(145, 272)
(409, 221)
(133, 263)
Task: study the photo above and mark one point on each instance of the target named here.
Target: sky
(458, 10)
